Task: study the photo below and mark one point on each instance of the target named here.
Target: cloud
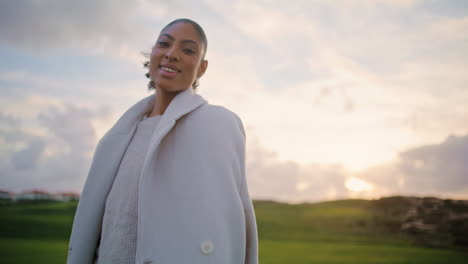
(433, 169)
(453, 29)
(289, 181)
(398, 4)
(27, 159)
(33, 101)
(105, 27)
(51, 24)
(118, 28)
(315, 121)
(72, 126)
(442, 167)
(38, 91)
(55, 159)
(7, 120)
(303, 65)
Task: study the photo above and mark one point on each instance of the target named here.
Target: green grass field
(328, 232)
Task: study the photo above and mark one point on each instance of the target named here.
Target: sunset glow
(337, 98)
(358, 185)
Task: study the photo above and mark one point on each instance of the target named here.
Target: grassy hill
(429, 222)
(389, 230)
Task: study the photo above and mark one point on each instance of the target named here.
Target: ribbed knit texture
(119, 227)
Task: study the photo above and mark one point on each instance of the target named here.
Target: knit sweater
(119, 226)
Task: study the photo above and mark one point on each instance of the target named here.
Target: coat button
(207, 247)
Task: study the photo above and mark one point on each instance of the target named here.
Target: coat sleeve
(251, 256)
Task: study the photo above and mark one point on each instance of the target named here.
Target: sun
(357, 185)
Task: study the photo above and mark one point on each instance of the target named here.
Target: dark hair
(201, 35)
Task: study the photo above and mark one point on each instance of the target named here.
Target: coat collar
(183, 103)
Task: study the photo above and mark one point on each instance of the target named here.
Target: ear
(202, 69)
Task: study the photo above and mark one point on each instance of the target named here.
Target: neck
(162, 101)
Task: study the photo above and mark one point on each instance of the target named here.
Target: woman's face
(176, 58)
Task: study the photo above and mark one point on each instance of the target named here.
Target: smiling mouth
(168, 69)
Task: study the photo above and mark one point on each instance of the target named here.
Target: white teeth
(168, 69)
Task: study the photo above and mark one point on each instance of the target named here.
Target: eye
(163, 44)
(189, 51)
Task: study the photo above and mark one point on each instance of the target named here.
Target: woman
(167, 182)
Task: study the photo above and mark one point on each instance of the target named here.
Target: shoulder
(218, 112)
(216, 116)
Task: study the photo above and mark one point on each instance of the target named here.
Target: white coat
(193, 201)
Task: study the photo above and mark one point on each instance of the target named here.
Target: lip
(168, 73)
(172, 67)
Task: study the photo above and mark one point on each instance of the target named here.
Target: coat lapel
(120, 135)
(182, 104)
(185, 102)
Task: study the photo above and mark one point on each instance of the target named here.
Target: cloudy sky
(351, 98)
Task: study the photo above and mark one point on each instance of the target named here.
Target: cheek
(154, 57)
(193, 66)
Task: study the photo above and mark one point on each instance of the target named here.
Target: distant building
(6, 195)
(34, 195)
(66, 196)
(37, 194)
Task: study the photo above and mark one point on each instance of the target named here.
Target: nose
(172, 54)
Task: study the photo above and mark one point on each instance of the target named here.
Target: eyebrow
(183, 41)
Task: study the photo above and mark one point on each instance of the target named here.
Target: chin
(170, 88)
